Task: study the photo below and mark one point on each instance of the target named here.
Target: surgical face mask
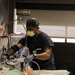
(30, 33)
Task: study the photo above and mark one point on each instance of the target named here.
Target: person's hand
(29, 71)
(3, 58)
(29, 58)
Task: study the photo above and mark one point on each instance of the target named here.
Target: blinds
(53, 31)
(57, 33)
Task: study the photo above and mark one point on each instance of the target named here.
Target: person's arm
(42, 56)
(45, 55)
(13, 49)
(16, 47)
(10, 52)
(47, 48)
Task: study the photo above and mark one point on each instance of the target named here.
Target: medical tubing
(25, 30)
(36, 64)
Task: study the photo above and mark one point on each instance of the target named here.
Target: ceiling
(48, 1)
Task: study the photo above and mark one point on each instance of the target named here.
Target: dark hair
(33, 22)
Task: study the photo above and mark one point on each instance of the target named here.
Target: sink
(51, 72)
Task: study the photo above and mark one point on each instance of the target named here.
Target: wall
(46, 17)
(53, 17)
(64, 54)
(5, 7)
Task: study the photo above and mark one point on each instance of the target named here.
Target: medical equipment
(16, 62)
(14, 38)
(3, 45)
(19, 63)
(3, 70)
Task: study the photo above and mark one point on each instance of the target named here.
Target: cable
(36, 64)
(24, 28)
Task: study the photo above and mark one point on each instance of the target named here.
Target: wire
(36, 64)
(24, 28)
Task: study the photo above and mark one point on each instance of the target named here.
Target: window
(51, 23)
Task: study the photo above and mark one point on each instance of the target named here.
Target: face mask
(30, 33)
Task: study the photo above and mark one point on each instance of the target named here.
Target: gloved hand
(4, 57)
(29, 58)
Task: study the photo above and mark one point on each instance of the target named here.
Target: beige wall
(53, 17)
(46, 17)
